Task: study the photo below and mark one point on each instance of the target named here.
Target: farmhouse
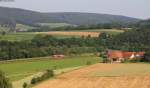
(118, 56)
(58, 56)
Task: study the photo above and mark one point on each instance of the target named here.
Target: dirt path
(82, 79)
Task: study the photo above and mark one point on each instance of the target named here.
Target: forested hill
(8, 15)
(91, 18)
(144, 24)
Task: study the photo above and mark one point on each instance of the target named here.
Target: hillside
(12, 15)
(144, 24)
(90, 18)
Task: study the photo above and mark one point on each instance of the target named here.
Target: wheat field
(92, 34)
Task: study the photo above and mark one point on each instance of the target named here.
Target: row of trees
(45, 46)
(133, 40)
(83, 27)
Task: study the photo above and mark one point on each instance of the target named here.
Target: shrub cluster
(48, 74)
(25, 85)
(88, 63)
(4, 82)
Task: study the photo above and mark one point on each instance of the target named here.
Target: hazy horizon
(134, 8)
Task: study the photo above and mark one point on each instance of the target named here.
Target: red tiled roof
(140, 53)
(115, 54)
(127, 54)
(122, 54)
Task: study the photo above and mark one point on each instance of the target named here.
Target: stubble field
(103, 76)
(54, 33)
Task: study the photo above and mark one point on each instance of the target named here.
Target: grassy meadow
(16, 70)
(23, 27)
(54, 25)
(17, 36)
(4, 29)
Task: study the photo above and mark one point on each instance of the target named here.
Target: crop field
(59, 34)
(17, 36)
(131, 75)
(108, 31)
(19, 69)
(55, 33)
(21, 36)
(54, 25)
(80, 33)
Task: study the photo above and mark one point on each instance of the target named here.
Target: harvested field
(87, 77)
(92, 34)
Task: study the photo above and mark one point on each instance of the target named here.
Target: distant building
(58, 56)
(118, 56)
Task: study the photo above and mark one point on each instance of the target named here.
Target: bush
(131, 61)
(25, 85)
(38, 79)
(48, 74)
(4, 82)
(88, 63)
(146, 57)
(33, 81)
(135, 60)
(103, 55)
(54, 67)
(105, 60)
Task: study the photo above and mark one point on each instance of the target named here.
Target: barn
(58, 56)
(119, 56)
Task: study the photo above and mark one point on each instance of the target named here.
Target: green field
(26, 36)
(19, 69)
(29, 35)
(4, 29)
(54, 25)
(22, 27)
(17, 36)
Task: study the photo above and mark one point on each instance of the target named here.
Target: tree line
(46, 45)
(83, 27)
(137, 39)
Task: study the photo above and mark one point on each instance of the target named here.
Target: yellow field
(92, 34)
(122, 76)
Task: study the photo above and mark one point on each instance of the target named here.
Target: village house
(58, 56)
(119, 56)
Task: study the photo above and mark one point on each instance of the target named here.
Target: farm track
(82, 79)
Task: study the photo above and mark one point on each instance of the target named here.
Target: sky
(131, 8)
